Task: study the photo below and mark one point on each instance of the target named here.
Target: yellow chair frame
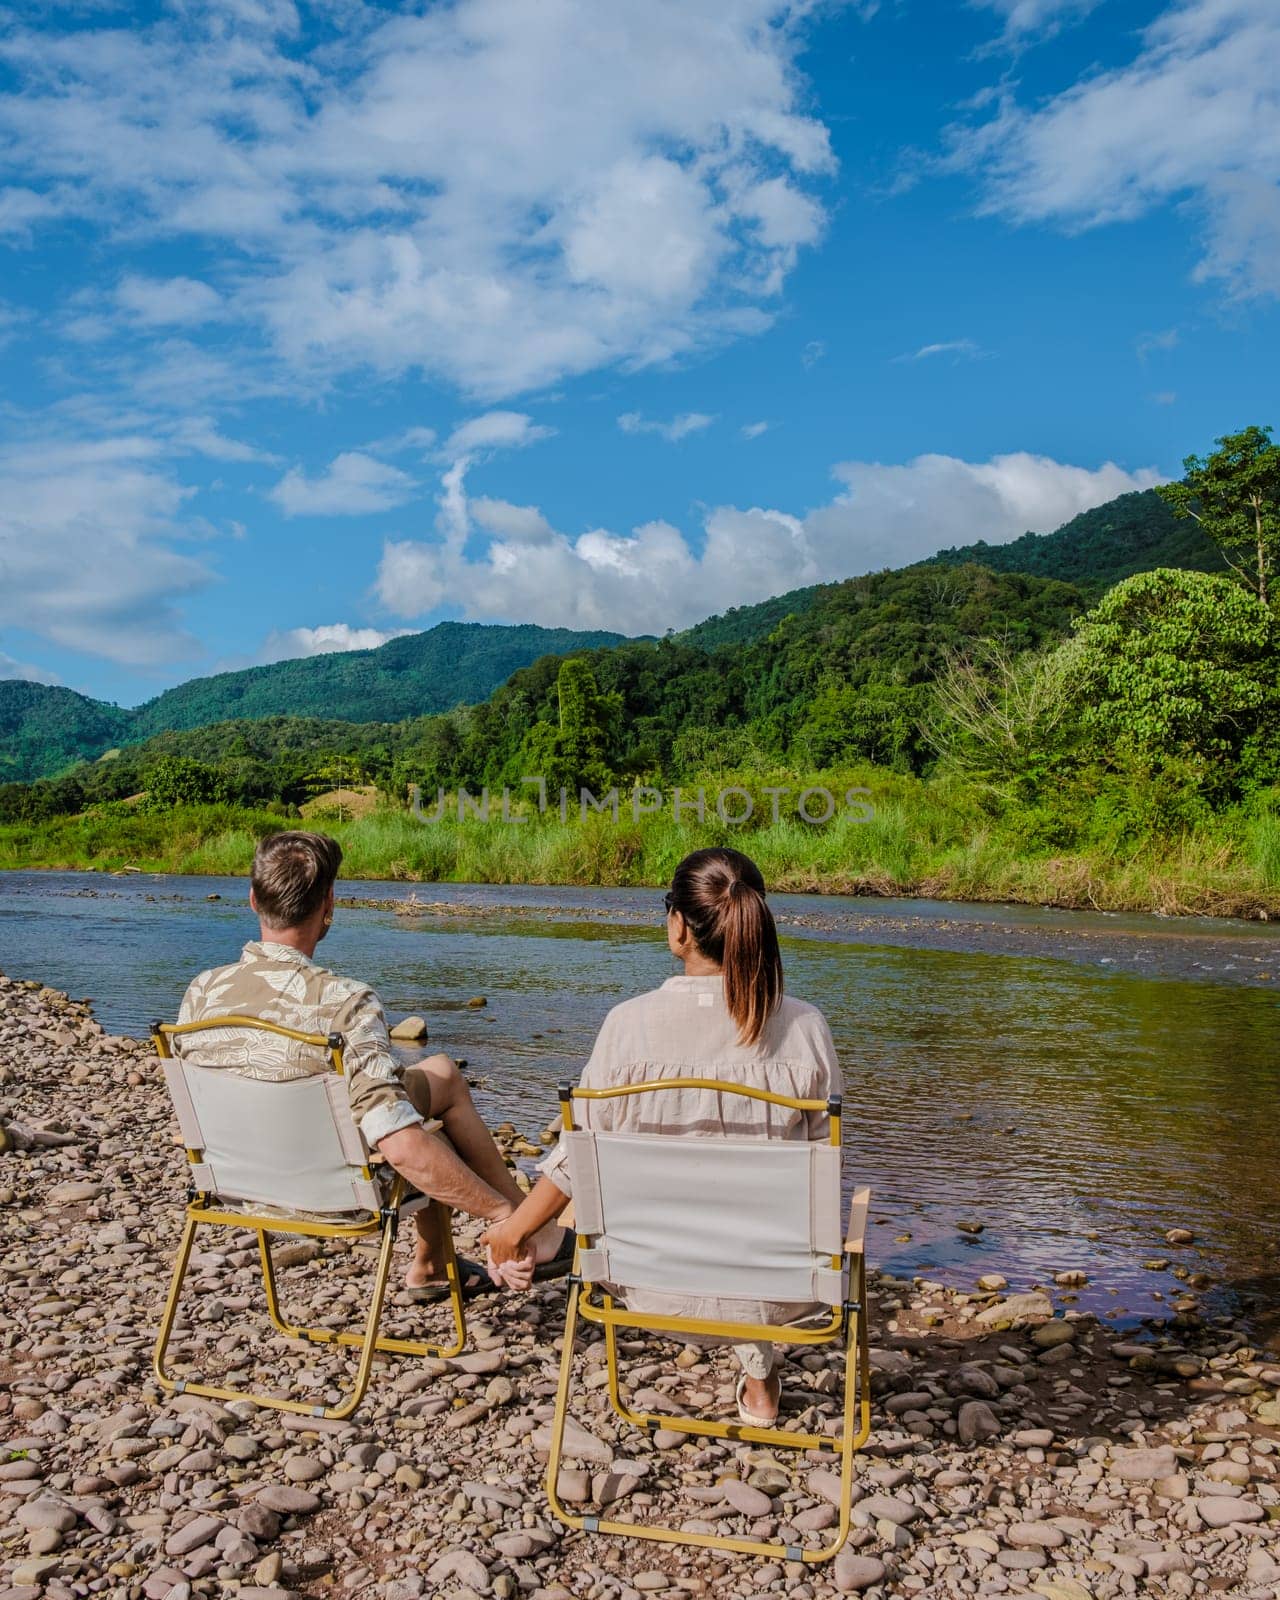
(201, 1212)
(846, 1325)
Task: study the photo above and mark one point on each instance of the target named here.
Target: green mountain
(44, 730)
(1095, 550)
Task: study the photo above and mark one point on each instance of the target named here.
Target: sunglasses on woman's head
(668, 904)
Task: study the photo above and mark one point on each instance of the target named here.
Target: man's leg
(437, 1089)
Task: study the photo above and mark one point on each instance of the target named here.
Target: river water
(1076, 1083)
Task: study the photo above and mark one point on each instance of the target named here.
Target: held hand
(516, 1273)
(504, 1242)
(510, 1257)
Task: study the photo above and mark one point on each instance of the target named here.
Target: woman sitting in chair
(726, 1017)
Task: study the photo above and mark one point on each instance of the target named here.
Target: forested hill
(1095, 550)
(43, 730)
(454, 663)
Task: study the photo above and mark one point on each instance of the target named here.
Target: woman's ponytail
(721, 895)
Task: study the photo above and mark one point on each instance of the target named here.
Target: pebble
(742, 1497)
(1035, 1535)
(288, 1499)
(1017, 1310)
(855, 1572)
(976, 1422)
(1138, 1465)
(1221, 1513)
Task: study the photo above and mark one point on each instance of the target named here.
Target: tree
(1178, 666)
(1234, 494)
(179, 781)
(1005, 719)
(574, 753)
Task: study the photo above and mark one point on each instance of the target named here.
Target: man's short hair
(292, 874)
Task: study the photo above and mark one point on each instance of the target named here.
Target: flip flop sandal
(752, 1418)
(475, 1281)
(561, 1264)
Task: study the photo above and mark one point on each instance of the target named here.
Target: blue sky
(324, 322)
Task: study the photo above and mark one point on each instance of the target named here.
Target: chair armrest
(859, 1205)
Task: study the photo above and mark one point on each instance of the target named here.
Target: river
(1076, 1083)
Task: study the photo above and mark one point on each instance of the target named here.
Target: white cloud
(165, 301)
(85, 547)
(678, 428)
(202, 437)
(513, 524)
(25, 671)
(655, 577)
(328, 637)
(1165, 397)
(352, 485)
(491, 193)
(495, 430)
(967, 349)
(1023, 18)
(812, 353)
(753, 430)
(1195, 118)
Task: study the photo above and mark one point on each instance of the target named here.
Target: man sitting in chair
(401, 1112)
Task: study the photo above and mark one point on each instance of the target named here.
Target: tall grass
(927, 838)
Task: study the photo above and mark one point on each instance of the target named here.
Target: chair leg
(171, 1306)
(560, 1416)
(385, 1345)
(856, 1426)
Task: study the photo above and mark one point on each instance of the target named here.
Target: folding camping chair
(668, 1212)
(286, 1157)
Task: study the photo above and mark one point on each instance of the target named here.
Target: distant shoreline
(921, 841)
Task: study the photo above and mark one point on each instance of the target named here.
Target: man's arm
(432, 1165)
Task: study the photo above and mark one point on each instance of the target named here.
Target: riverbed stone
(1136, 1466)
(854, 1572)
(1220, 1512)
(1017, 1311)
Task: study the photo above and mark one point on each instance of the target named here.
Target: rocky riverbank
(1017, 1447)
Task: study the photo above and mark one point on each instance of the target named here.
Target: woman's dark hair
(293, 871)
(720, 895)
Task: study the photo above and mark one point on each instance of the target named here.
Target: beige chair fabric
(748, 1219)
(289, 1145)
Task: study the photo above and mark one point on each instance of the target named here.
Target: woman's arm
(508, 1241)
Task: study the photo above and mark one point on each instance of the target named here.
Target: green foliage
(180, 781)
(1178, 667)
(1010, 722)
(1234, 496)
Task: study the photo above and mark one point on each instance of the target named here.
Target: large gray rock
(855, 1572)
(976, 1422)
(1139, 1466)
(1220, 1512)
(191, 1535)
(1017, 1310)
